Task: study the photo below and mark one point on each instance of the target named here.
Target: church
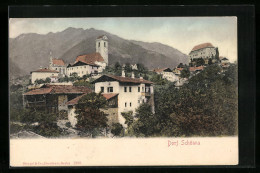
(91, 64)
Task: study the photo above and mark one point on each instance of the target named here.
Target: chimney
(123, 73)
(133, 75)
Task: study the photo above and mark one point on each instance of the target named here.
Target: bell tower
(102, 47)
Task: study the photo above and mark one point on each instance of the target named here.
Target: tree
(129, 118)
(117, 129)
(200, 61)
(47, 80)
(217, 54)
(144, 125)
(90, 118)
(158, 79)
(185, 73)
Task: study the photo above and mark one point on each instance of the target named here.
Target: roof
(76, 100)
(45, 70)
(80, 63)
(224, 59)
(201, 46)
(58, 62)
(110, 95)
(121, 79)
(101, 36)
(196, 68)
(90, 58)
(159, 70)
(59, 89)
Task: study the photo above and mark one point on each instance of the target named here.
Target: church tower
(102, 47)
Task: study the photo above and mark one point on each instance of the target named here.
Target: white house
(131, 92)
(82, 68)
(43, 74)
(204, 51)
(167, 73)
(58, 65)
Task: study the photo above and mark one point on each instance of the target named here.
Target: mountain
(28, 52)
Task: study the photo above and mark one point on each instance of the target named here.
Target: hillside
(30, 51)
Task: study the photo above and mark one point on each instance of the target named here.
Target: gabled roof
(76, 100)
(199, 68)
(58, 62)
(59, 89)
(121, 79)
(45, 70)
(109, 95)
(90, 58)
(201, 46)
(159, 70)
(80, 63)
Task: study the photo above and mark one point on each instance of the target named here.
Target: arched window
(98, 44)
(104, 44)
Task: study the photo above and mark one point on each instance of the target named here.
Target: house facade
(43, 74)
(52, 98)
(82, 68)
(206, 51)
(131, 92)
(167, 73)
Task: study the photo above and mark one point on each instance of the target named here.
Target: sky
(182, 33)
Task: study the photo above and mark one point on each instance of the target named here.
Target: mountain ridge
(31, 50)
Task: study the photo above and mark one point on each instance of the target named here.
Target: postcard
(125, 91)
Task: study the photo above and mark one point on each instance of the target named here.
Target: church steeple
(102, 47)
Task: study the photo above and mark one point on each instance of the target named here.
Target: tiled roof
(203, 45)
(75, 100)
(196, 68)
(45, 70)
(123, 79)
(180, 69)
(90, 58)
(110, 95)
(101, 36)
(58, 62)
(158, 70)
(59, 89)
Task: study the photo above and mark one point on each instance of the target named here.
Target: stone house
(52, 98)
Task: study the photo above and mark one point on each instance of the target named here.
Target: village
(61, 87)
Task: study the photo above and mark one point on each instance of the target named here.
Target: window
(130, 89)
(125, 89)
(102, 89)
(98, 44)
(138, 89)
(104, 44)
(109, 89)
(125, 104)
(143, 100)
(84, 66)
(92, 67)
(82, 72)
(142, 89)
(130, 104)
(56, 68)
(138, 101)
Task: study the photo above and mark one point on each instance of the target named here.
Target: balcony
(146, 94)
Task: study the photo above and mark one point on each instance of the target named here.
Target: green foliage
(185, 73)
(90, 118)
(129, 118)
(117, 129)
(206, 106)
(15, 128)
(157, 79)
(144, 125)
(83, 83)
